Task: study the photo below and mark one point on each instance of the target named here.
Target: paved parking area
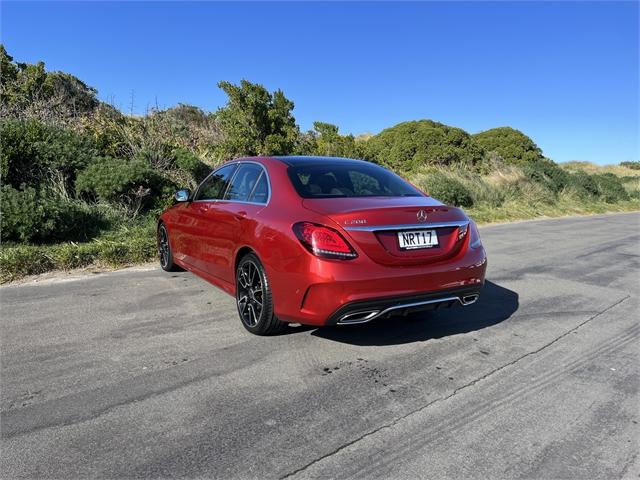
(141, 373)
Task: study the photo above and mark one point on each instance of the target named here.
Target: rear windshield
(348, 180)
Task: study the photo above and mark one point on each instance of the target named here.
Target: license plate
(418, 239)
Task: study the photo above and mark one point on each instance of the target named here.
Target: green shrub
(33, 151)
(133, 183)
(610, 188)
(189, 163)
(548, 174)
(513, 146)
(108, 178)
(31, 216)
(74, 219)
(411, 145)
(22, 216)
(635, 165)
(584, 184)
(447, 189)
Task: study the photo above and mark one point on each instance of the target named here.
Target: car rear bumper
(366, 311)
(326, 293)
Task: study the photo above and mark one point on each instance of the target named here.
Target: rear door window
(261, 192)
(244, 182)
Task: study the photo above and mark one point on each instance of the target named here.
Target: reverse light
(323, 241)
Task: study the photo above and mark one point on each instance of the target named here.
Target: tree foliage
(34, 153)
(255, 121)
(411, 145)
(325, 140)
(29, 91)
(331, 143)
(513, 146)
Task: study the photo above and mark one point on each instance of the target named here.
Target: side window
(261, 192)
(216, 184)
(244, 182)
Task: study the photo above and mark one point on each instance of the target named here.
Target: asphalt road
(140, 373)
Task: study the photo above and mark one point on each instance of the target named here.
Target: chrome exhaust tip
(358, 317)
(469, 299)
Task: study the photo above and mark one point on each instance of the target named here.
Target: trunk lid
(374, 225)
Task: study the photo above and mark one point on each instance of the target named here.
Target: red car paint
(209, 237)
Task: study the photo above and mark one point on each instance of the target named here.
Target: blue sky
(564, 73)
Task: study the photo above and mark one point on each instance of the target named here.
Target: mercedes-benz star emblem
(422, 215)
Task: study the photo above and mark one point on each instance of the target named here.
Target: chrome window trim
(409, 226)
(233, 177)
(253, 190)
(238, 164)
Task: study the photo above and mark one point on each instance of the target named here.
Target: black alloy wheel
(253, 298)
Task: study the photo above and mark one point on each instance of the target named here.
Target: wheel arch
(242, 251)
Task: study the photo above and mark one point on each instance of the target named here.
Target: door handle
(241, 215)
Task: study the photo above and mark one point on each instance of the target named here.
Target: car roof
(301, 160)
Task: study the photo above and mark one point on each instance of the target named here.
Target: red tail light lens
(462, 231)
(323, 241)
(474, 241)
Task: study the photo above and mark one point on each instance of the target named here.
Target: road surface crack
(457, 390)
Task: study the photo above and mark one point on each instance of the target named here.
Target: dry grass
(506, 194)
(618, 170)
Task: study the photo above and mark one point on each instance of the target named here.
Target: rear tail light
(474, 241)
(462, 231)
(323, 241)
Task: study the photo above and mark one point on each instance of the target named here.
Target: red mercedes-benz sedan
(321, 241)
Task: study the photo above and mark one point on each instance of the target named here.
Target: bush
(189, 163)
(75, 220)
(32, 216)
(33, 151)
(548, 174)
(447, 189)
(511, 145)
(411, 145)
(610, 188)
(23, 217)
(635, 165)
(130, 182)
(584, 184)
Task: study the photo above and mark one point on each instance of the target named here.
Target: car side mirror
(182, 195)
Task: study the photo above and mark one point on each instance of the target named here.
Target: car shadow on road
(495, 305)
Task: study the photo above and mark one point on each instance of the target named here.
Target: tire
(164, 250)
(254, 299)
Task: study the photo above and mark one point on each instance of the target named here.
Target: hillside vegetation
(83, 183)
